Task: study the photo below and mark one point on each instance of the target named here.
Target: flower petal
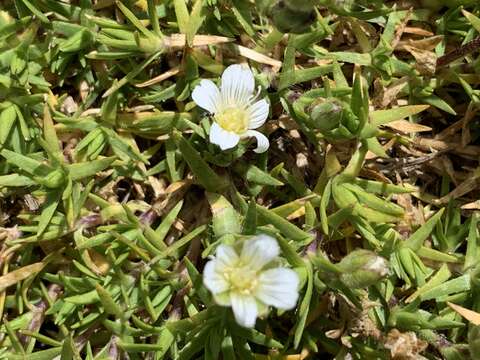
(262, 141)
(237, 86)
(245, 309)
(226, 256)
(213, 279)
(258, 114)
(259, 251)
(207, 96)
(224, 139)
(278, 287)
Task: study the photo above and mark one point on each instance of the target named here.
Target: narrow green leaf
(195, 20)
(381, 117)
(286, 227)
(304, 308)
(133, 19)
(250, 221)
(48, 209)
(453, 286)
(132, 74)
(474, 20)
(83, 170)
(166, 224)
(7, 119)
(183, 17)
(203, 173)
(415, 241)
(35, 11)
(26, 163)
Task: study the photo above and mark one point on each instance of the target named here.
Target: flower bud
(150, 44)
(362, 268)
(327, 114)
(333, 118)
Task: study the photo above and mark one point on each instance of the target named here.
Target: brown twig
(459, 52)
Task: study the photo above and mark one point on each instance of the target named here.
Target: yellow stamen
(233, 120)
(242, 280)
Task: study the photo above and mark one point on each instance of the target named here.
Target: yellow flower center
(242, 280)
(233, 120)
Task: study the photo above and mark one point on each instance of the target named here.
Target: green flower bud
(362, 268)
(327, 115)
(333, 118)
(291, 20)
(150, 44)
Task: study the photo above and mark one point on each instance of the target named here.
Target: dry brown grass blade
(99, 263)
(470, 184)
(475, 205)
(426, 59)
(180, 40)
(303, 355)
(401, 28)
(424, 44)
(417, 31)
(159, 78)
(256, 56)
(386, 95)
(20, 274)
(407, 126)
(428, 144)
(470, 315)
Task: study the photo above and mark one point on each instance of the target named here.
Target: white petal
(278, 287)
(237, 86)
(245, 309)
(213, 278)
(226, 256)
(262, 141)
(258, 114)
(207, 96)
(259, 251)
(224, 139)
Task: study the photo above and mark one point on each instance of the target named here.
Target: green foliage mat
(112, 196)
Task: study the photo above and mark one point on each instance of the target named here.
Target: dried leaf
(18, 275)
(472, 316)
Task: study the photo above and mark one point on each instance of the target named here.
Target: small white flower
(235, 112)
(245, 282)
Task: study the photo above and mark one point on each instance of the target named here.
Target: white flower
(235, 112)
(244, 282)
